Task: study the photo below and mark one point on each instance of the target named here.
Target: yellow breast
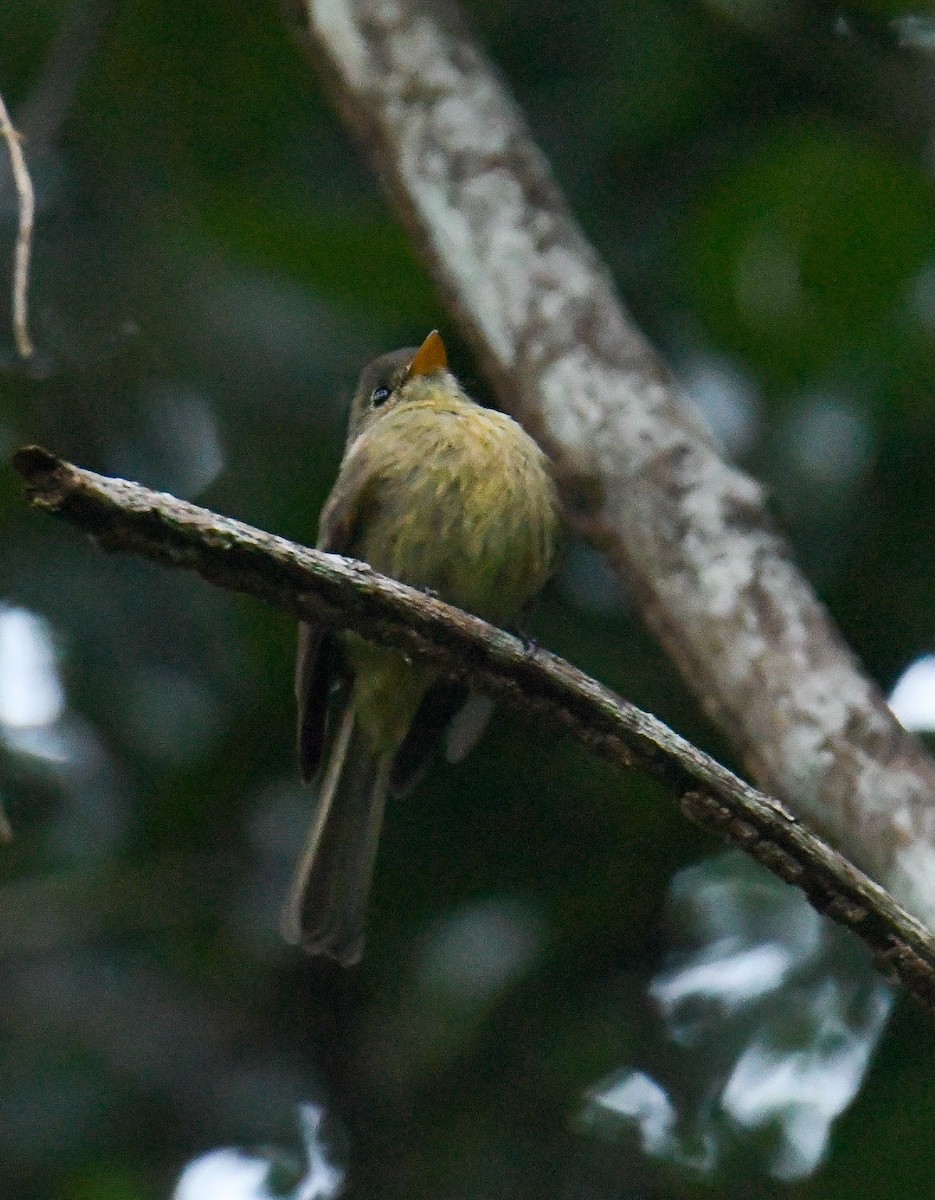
(460, 500)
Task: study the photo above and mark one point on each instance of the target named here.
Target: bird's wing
(319, 662)
(448, 712)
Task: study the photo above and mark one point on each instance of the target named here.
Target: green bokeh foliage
(210, 242)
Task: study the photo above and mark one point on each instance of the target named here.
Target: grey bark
(640, 477)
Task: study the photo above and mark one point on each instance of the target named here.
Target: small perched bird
(442, 494)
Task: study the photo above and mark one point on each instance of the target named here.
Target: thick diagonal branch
(346, 594)
(687, 530)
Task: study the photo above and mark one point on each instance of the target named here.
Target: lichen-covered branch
(346, 594)
(640, 479)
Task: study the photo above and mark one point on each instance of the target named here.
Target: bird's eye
(379, 396)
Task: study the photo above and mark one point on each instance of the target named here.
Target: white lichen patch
(721, 579)
(882, 790)
(422, 56)
(911, 879)
(577, 397)
(334, 23)
(455, 123)
(690, 523)
(830, 694)
(801, 759)
(561, 267)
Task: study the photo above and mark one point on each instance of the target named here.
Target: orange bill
(430, 357)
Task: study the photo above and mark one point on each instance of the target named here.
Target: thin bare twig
(342, 593)
(23, 251)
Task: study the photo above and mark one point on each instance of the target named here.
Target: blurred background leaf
(213, 264)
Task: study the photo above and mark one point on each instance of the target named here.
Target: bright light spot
(727, 401)
(323, 1180)
(641, 1100)
(912, 700)
(729, 902)
(915, 31)
(56, 743)
(189, 424)
(30, 691)
(177, 445)
(224, 1175)
(801, 1092)
(910, 877)
(732, 979)
(477, 951)
(467, 726)
(232, 1174)
(830, 439)
(777, 1015)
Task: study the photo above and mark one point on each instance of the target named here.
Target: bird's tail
(327, 907)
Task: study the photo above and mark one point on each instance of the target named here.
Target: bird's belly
(475, 524)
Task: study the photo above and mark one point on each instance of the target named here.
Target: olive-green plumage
(442, 494)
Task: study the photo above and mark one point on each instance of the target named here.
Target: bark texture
(640, 476)
(313, 585)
